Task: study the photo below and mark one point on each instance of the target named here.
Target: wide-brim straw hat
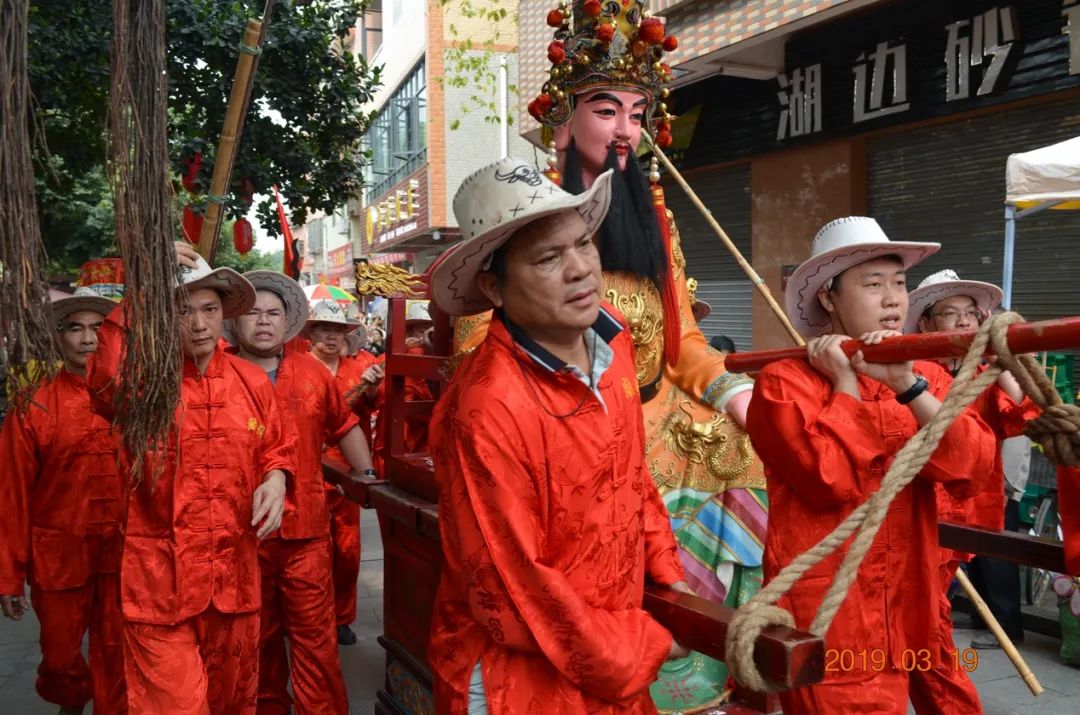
(490, 205)
(237, 294)
(328, 311)
(291, 294)
(946, 284)
(838, 246)
(82, 299)
(417, 311)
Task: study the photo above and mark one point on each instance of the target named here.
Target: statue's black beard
(630, 240)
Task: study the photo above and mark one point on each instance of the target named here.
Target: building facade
(435, 121)
(795, 113)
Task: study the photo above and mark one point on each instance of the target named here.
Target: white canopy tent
(1046, 178)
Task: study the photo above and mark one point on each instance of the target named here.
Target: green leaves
(473, 64)
(302, 130)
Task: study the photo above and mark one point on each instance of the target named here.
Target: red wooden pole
(1059, 334)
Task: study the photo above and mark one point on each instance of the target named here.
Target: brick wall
(436, 47)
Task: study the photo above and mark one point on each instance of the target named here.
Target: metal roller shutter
(946, 183)
(720, 281)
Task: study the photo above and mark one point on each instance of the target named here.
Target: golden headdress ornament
(606, 44)
(387, 280)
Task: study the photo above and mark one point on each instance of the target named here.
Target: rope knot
(1057, 429)
(750, 620)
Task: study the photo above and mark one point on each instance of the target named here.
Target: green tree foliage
(302, 130)
(472, 62)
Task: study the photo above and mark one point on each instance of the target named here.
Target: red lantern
(242, 237)
(191, 224)
(191, 176)
(671, 43)
(247, 190)
(651, 30)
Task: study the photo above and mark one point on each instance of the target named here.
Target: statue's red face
(603, 119)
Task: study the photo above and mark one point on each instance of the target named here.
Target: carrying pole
(1058, 334)
(759, 284)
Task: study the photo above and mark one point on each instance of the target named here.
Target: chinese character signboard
(339, 261)
(800, 101)
(398, 214)
(885, 66)
(888, 65)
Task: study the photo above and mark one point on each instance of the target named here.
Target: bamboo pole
(1058, 334)
(759, 284)
(229, 142)
(1006, 644)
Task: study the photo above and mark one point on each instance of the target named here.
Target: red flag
(291, 265)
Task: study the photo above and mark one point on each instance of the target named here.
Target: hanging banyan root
(148, 384)
(27, 347)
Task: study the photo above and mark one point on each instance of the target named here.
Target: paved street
(363, 663)
(1002, 690)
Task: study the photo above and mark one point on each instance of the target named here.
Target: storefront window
(397, 138)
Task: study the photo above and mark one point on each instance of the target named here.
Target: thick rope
(761, 612)
(1057, 429)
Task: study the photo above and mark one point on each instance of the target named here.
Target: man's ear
(924, 324)
(489, 286)
(826, 300)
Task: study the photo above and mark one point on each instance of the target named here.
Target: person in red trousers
(944, 302)
(327, 326)
(827, 429)
(63, 495)
(190, 585)
(297, 586)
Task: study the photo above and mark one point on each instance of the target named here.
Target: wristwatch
(369, 473)
(914, 391)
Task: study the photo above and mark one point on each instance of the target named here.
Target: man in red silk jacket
(327, 326)
(297, 587)
(64, 495)
(944, 302)
(189, 574)
(827, 431)
(550, 522)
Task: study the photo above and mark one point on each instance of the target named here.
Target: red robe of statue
(550, 524)
(64, 497)
(825, 453)
(190, 588)
(297, 584)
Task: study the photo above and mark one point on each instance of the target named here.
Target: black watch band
(914, 391)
